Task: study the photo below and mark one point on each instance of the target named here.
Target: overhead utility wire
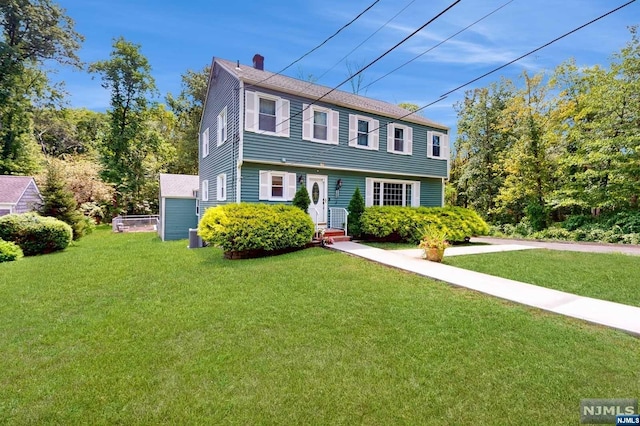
(355, 48)
(318, 46)
(367, 39)
(445, 95)
(374, 61)
(439, 44)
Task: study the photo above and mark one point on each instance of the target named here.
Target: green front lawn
(125, 329)
(612, 277)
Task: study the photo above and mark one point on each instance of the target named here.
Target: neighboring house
(262, 136)
(18, 194)
(178, 206)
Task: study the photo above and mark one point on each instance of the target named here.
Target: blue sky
(177, 36)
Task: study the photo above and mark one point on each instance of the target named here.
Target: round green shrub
(247, 226)
(9, 251)
(408, 223)
(301, 200)
(35, 234)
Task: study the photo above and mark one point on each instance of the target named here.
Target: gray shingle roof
(12, 188)
(178, 186)
(313, 91)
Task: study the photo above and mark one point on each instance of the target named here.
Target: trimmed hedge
(247, 226)
(35, 234)
(9, 251)
(408, 223)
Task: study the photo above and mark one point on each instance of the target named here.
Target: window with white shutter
(320, 124)
(266, 114)
(363, 132)
(205, 190)
(399, 139)
(277, 186)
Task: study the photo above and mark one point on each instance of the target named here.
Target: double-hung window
(277, 186)
(391, 192)
(437, 145)
(266, 113)
(399, 139)
(205, 142)
(320, 124)
(221, 187)
(205, 190)
(222, 126)
(363, 132)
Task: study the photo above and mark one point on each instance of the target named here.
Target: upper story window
(399, 139)
(222, 126)
(437, 145)
(205, 142)
(363, 132)
(320, 124)
(277, 186)
(267, 114)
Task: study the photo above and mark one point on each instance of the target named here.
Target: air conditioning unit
(194, 239)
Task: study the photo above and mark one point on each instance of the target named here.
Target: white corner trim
(240, 142)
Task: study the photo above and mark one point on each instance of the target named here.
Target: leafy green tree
(599, 121)
(68, 131)
(60, 203)
(356, 209)
(301, 199)
(188, 107)
(530, 162)
(33, 31)
(129, 141)
(476, 173)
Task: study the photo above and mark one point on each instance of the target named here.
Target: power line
(439, 44)
(368, 38)
(375, 60)
(445, 95)
(318, 46)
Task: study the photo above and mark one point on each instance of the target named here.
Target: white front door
(317, 187)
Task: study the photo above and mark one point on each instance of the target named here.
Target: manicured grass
(125, 329)
(612, 277)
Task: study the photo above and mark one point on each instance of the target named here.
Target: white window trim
(333, 124)
(408, 139)
(252, 114)
(205, 142)
(221, 189)
(222, 125)
(444, 145)
(288, 181)
(374, 132)
(205, 190)
(415, 190)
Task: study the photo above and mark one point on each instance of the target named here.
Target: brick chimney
(258, 62)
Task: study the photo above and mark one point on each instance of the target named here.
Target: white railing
(338, 218)
(135, 223)
(315, 220)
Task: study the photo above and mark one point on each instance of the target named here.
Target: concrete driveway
(562, 245)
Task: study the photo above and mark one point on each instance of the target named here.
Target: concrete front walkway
(565, 245)
(610, 314)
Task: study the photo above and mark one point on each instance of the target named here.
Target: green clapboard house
(178, 206)
(264, 135)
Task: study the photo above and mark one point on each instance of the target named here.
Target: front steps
(334, 235)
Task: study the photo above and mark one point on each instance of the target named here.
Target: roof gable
(178, 186)
(13, 187)
(282, 83)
